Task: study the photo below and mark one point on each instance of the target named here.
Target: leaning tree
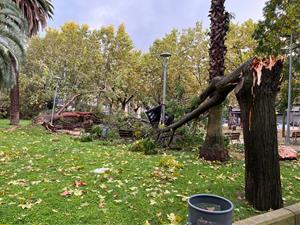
(36, 12)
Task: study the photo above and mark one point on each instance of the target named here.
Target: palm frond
(36, 12)
(13, 31)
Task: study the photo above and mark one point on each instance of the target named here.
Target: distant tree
(70, 52)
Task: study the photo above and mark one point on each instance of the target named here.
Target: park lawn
(38, 168)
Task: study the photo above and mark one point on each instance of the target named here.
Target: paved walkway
(296, 147)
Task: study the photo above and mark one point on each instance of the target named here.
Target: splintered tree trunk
(15, 104)
(213, 147)
(257, 103)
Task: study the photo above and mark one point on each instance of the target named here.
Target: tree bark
(257, 104)
(15, 103)
(213, 146)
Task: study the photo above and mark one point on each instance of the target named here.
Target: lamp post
(287, 136)
(165, 56)
(54, 98)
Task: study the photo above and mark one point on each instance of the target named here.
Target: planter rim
(208, 211)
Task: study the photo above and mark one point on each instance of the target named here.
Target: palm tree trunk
(213, 147)
(15, 103)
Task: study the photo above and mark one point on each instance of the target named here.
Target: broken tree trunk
(256, 84)
(257, 103)
(69, 102)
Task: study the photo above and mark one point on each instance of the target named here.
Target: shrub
(144, 145)
(191, 137)
(86, 137)
(170, 162)
(226, 141)
(149, 147)
(97, 130)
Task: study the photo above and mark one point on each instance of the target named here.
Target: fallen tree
(68, 120)
(256, 84)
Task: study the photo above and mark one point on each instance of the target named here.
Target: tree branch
(214, 95)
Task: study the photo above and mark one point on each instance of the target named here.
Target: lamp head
(165, 55)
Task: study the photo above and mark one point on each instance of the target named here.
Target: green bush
(97, 130)
(144, 145)
(191, 137)
(86, 137)
(113, 134)
(226, 141)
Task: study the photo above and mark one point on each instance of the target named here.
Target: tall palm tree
(213, 147)
(13, 27)
(36, 12)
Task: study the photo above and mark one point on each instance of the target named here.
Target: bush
(226, 141)
(169, 162)
(101, 131)
(97, 130)
(144, 145)
(191, 137)
(86, 137)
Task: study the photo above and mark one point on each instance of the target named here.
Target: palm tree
(36, 12)
(13, 27)
(213, 147)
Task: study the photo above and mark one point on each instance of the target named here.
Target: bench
(295, 135)
(126, 133)
(233, 136)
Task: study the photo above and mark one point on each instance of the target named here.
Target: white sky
(147, 20)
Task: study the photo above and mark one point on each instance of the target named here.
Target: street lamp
(287, 136)
(58, 79)
(164, 56)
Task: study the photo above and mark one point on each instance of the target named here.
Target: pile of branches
(69, 121)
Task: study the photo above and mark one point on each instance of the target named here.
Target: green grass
(37, 166)
(4, 123)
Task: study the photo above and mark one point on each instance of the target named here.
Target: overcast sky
(147, 20)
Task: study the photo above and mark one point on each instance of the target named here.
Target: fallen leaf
(78, 192)
(66, 193)
(297, 178)
(79, 183)
(101, 205)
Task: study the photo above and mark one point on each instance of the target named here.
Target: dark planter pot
(205, 209)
